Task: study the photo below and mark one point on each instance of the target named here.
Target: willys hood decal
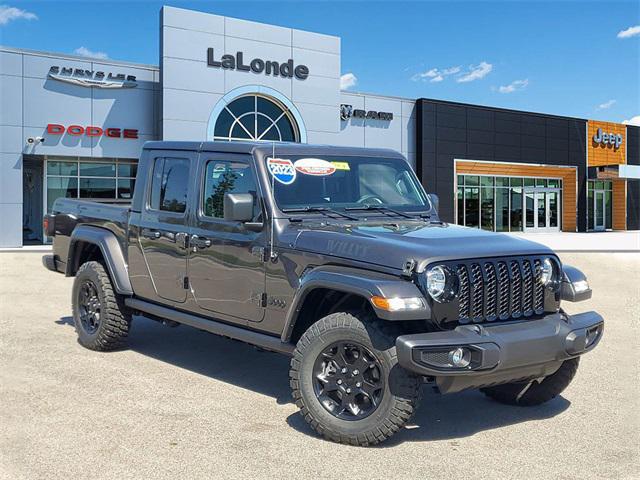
(392, 245)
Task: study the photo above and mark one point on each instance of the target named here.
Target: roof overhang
(608, 172)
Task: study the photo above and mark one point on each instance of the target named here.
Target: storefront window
(486, 212)
(486, 181)
(472, 206)
(502, 209)
(508, 203)
(460, 202)
(105, 180)
(515, 182)
(62, 168)
(97, 169)
(471, 180)
(599, 205)
(516, 210)
(65, 187)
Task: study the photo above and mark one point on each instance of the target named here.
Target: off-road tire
(115, 317)
(400, 395)
(528, 394)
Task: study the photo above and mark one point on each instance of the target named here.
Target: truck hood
(392, 245)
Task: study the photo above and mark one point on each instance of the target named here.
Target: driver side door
(226, 262)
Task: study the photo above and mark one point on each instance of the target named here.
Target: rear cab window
(169, 185)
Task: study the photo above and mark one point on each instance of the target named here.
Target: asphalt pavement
(179, 403)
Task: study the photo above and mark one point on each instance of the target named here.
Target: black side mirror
(435, 201)
(238, 207)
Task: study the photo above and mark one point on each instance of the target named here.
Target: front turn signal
(397, 304)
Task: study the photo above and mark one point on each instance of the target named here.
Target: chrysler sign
(257, 65)
(92, 78)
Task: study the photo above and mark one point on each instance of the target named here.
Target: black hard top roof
(265, 148)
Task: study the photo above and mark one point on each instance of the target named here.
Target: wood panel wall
(599, 154)
(619, 207)
(567, 174)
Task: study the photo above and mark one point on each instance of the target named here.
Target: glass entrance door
(599, 209)
(542, 210)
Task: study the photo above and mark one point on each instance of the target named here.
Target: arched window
(257, 118)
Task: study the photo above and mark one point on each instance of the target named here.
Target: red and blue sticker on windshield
(285, 171)
(282, 170)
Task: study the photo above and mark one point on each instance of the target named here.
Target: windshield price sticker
(341, 165)
(282, 170)
(315, 166)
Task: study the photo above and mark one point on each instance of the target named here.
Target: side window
(226, 177)
(170, 184)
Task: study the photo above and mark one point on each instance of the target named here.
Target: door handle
(148, 233)
(199, 242)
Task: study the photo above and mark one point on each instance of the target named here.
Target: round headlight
(546, 275)
(436, 282)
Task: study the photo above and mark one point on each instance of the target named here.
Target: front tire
(346, 380)
(528, 394)
(101, 319)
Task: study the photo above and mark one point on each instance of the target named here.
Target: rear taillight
(48, 224)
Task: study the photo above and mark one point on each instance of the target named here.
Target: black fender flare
(112, 253)
(364, 283)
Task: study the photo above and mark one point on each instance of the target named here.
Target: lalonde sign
(257, 65)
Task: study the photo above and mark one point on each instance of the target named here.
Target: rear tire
(101, 319)
(528, 394)
(342, 353)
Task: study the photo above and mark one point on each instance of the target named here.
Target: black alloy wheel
(348, 380)
(89, 307)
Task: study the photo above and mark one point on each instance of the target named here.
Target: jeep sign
(608, 139)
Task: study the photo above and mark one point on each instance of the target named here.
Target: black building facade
(491, 146)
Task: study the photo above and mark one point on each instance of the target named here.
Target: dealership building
(73, 126)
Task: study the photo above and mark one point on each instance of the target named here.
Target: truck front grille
(492, 290)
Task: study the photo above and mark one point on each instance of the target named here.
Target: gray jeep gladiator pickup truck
(335, 256)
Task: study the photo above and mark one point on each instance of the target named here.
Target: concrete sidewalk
(586, 242)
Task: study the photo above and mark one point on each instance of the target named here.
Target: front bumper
(500, 353)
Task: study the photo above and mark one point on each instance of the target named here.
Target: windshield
(301, 182)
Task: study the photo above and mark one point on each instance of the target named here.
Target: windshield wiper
(323, 210)
(383, 209)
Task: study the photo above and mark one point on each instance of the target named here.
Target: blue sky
(568, 58)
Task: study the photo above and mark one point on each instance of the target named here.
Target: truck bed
(68, 213)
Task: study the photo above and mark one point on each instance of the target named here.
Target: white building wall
(191, 89)
(30, 101)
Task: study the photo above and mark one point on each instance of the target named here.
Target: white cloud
(8, 14)
(475, 72)
(85, 52)
(633, 121)
(347, 81)
(435, 74)
(629, 32)
(606, 105)
(513, 86)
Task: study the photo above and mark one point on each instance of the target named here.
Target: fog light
(460, 357)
